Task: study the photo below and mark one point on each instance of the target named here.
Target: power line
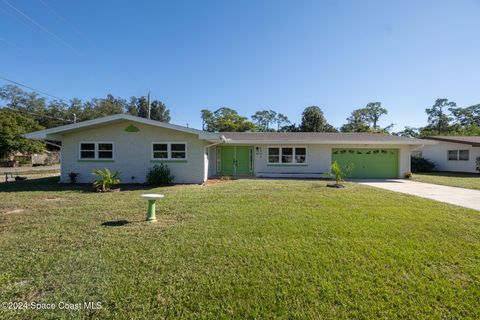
(37, 114)
(36, 90)
(65, 21)
(41, 27)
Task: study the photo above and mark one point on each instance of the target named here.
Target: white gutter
(54, 144)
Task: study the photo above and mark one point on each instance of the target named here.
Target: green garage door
(368, 163)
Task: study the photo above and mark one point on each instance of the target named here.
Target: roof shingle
(318, 137)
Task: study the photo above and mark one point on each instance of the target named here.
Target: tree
(357, 122)
(207, 119)
(438, 121)
(408, 132)
(139, 107)
(281, 120)
(469, 116)
(74, 110)
(227, 120)
(373, 112)
(12, 126)
(131, 107)
(313, 120)
(29, 103)
(264, 118)
(101, 107)
(159, 111)
(290, 128)
(142, 107)
(366, 119)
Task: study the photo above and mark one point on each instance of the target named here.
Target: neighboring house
(132, 145)
(453, 153)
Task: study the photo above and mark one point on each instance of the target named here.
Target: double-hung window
(169, 151)
(96, 151)
(287, 155)
(458, 155)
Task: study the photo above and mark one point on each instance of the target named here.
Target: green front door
(235, 160)
(227, 156)
(242, 160)
(368, 163)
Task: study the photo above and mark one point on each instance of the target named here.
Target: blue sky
(249, 55)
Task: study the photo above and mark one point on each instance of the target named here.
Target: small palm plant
(339, 173)
(106, 180)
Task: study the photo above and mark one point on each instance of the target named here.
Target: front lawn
(238, 249)
(454, 179)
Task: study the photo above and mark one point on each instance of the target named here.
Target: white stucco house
(132, 145)
(452, 153)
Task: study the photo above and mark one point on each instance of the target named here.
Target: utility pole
(148, 103)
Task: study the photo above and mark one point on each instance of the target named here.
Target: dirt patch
(14, 211)
(216, 181)
(54, 199)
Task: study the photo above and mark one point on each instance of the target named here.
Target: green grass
(454, 179)
(256, 249)
(30, 175)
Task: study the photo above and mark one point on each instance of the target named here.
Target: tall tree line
(24, 111)
(228, 120)
(51, 113)
(446, 118)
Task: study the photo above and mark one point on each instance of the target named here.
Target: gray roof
(470, 140)
(55, 133)
(319, 138)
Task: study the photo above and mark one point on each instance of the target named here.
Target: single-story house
(452, 153)
(132, 145)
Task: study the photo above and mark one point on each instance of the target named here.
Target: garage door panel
(368, 163)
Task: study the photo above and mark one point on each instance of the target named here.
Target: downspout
(205, 177)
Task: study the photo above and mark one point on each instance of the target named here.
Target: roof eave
(414, 142)
(437, 140)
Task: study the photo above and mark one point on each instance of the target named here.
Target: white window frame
(95, 150)
(458, 155)
(294, 154)
(169, 151)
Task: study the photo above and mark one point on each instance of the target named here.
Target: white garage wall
(132, 153)
(439, 155)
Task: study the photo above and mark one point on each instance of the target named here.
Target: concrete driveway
(457, 196)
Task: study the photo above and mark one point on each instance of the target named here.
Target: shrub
(159, 174)
(408, 175)
(339, 173)
(106, 181)
(477, 163)
(73, 177)
(421, 164)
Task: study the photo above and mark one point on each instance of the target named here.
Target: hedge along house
(132, 145)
